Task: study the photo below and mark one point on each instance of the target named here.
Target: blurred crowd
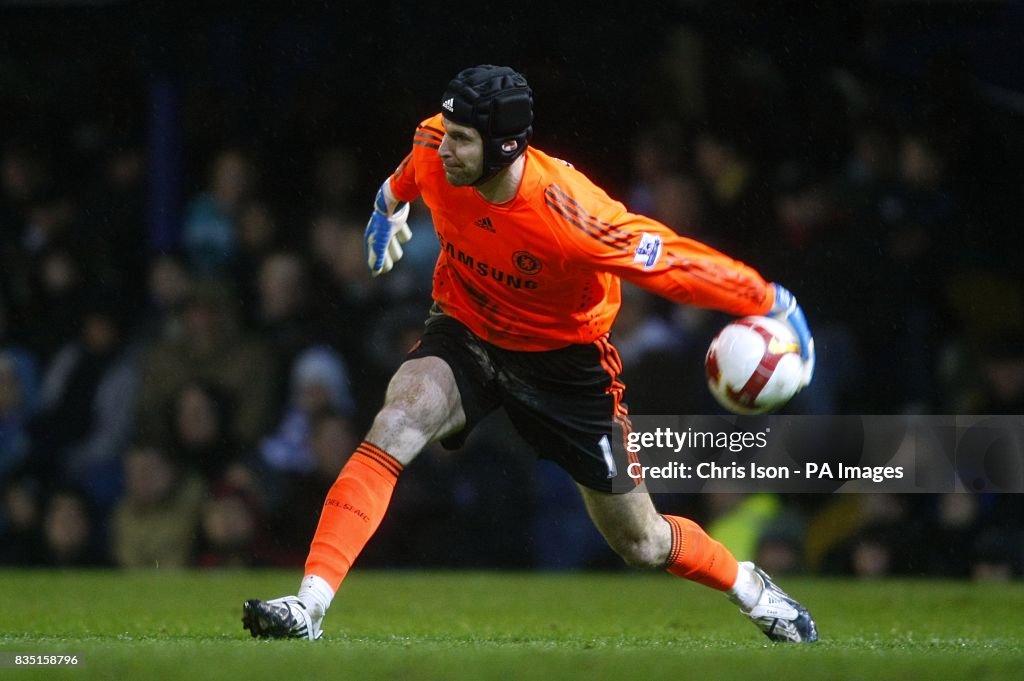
(190, 406)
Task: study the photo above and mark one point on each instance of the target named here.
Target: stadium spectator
(113, 213)
(868, 169)
(52, 314)
(169, 284)
(259, 235)
(954, 524)
(1001, 389)
(155, 523)
(917, 216)
(868, 535)
(232, 530)
(87, 410)
(339, 285)
(734, 198)
(814, 241)
(319, 385)
(996, 555)
(677, 201)
(780, 547)
(259, 231)
(212, 349)
(286, 316)
(740, 520)
(201, 431)
(73, 538)
(18, 392)
(655, 153)
(23, 172)
(210, 232)
(336, 262)
(21, 533)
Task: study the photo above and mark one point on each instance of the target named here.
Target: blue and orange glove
(787, 310)
(385, 233)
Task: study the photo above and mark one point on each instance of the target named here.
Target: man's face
(462, 153)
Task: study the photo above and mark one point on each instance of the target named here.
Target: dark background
(295, 75)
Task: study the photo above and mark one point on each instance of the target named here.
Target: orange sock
(698, 557)
(352, 512)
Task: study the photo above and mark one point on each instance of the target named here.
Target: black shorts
(566, 403)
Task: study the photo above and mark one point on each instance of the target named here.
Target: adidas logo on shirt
(448, 105)
(484, 223)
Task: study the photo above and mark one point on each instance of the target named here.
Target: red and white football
(753, 365)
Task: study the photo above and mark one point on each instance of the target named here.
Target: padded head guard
(498, 103)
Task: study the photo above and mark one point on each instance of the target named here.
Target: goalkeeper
(525, 291)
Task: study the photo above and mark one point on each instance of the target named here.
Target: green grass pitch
(186, 625)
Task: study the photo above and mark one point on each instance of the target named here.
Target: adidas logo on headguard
(448, 105)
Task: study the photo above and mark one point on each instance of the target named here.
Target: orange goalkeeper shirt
(542, 271)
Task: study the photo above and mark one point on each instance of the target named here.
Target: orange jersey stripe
(590, 225)
(427, 137)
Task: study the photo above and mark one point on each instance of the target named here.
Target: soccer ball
(753, 365)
